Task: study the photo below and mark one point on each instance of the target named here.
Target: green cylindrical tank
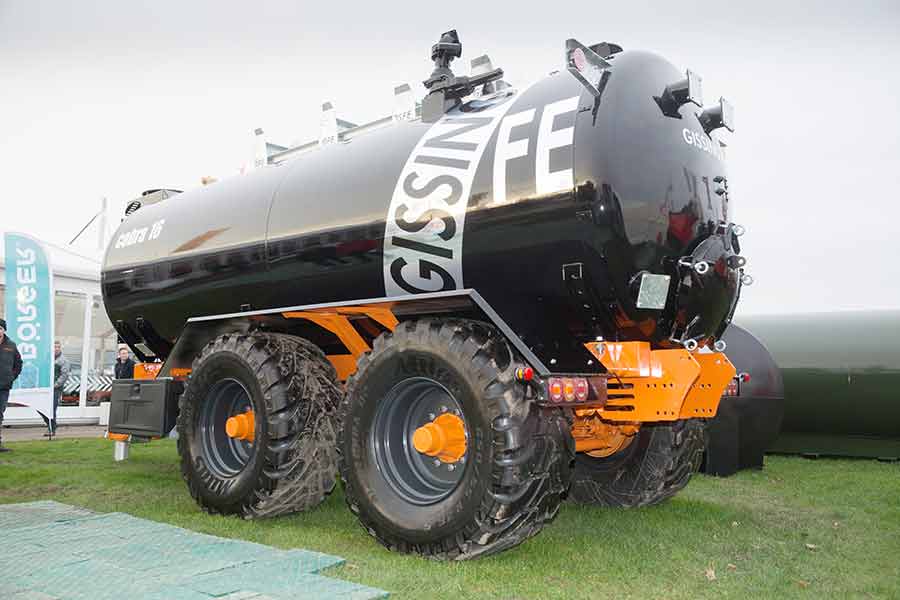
(841, 375)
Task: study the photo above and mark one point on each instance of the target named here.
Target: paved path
(53, 551)
(24, 434)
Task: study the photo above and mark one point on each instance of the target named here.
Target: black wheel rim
(225, 456)
(417, 478)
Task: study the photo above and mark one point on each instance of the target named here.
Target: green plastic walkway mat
(51, 551)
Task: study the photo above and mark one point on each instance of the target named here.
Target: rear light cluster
(568, 389)
(734, 386)
(732, 389)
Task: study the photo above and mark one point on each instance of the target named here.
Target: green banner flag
(29, 318)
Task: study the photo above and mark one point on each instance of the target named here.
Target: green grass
(800, 528)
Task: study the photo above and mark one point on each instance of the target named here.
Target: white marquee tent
(81, 325)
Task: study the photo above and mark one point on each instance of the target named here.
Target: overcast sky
(108, 98)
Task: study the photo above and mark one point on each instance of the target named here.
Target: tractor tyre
(514, 465)
(655, 466)
(290, 464)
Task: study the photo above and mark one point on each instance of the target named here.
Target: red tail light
(581, 389)
(555, 387)
(732, 389)
(568, 389)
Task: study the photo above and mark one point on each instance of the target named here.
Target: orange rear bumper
(660, 385)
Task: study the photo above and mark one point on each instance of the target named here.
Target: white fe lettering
(549, 181)
(508, 150)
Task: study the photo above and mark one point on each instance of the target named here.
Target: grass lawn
(800, 528)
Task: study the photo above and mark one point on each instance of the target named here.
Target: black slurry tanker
(515, 296)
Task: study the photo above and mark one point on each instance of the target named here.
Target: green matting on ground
(52, 551)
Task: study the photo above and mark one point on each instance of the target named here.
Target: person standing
(10, 367)
(124, 365)
(61, 370)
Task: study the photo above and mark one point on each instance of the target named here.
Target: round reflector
(579, 59)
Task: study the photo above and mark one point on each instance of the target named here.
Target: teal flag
(29, 318)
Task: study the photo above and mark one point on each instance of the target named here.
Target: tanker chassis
(514, 297)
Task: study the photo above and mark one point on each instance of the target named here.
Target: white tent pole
(101, 238)
(85, 354)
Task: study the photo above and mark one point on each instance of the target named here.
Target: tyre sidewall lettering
(214, 368)
(423, 522)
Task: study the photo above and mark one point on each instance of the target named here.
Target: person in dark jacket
(10, 367)
(61, 369)
(124, 365)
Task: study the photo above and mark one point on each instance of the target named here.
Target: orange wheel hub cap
(241, 426)
(444, 438)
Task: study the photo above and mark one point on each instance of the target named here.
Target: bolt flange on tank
(707, 288)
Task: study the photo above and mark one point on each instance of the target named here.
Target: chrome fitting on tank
(736, 262)
(688, 262)
(690, 345)
(720, 346)
(723, 227)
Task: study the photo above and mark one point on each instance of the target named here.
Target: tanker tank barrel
(361, 309)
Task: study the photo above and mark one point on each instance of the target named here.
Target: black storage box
(740, 434)
(144, 407)
(747, 424)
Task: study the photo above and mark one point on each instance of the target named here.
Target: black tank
(549, 203)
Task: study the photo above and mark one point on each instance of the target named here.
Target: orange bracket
(660, 385)
(703, 398)
(337, 322)
(147, 370)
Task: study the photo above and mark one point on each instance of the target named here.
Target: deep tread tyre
(291, 388)
(518, 456)
(653, 468)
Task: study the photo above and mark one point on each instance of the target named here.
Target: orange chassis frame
(644, 385)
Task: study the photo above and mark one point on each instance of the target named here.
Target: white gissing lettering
(701, 141)
(426, 217)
